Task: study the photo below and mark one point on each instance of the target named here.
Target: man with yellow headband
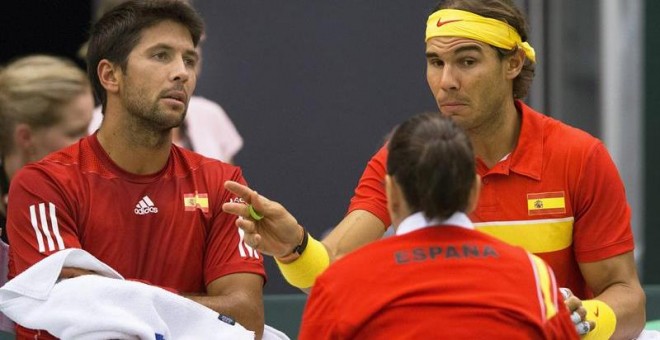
(546, 186)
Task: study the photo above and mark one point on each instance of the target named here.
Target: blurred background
(313, 87)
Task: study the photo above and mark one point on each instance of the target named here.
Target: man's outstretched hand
(270, 228)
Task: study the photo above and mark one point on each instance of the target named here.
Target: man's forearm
(238, 306)
(628, 302)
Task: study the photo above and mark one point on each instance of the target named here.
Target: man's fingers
(240, 190)
(583, 327)
(255, 241)
(260, 203)
(242, 210)
(250, 235)
(582, 312)
(576, 318)
(253, 213)
(249, 196)
(578, 312)
(248, 226)
(573, 303)
(238, 209)
(252, 240)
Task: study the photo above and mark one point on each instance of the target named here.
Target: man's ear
(23, 136)
(515, 63)
(109, 75)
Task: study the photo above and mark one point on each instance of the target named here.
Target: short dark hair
(118, 31)
(503, 10)
(432, 160)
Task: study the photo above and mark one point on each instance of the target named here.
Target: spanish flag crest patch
(196, 201)
(546, 203)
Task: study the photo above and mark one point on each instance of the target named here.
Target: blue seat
(284, 312)
(652, 301)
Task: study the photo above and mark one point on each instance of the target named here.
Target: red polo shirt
(558, 195)
(440, 282)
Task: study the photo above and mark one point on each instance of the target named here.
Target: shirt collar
(418, 221)
(527, 157)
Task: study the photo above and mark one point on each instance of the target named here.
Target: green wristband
(255, 215)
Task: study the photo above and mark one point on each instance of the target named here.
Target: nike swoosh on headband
(440, 22)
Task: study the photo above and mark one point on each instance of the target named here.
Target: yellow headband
(457, 23)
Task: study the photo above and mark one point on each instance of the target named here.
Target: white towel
(649, 334)
(271, 333)
(105, 306)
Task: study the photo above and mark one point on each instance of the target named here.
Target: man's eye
(435, 62)
(190, 61)
(160, 56)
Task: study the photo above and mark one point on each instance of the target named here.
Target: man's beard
(151, 117)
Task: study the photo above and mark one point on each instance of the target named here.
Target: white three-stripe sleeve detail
(252, 251)
(539, 290)
(44, 226)
(243, 248)
(56, 228)
(241, 235)
(35, 226)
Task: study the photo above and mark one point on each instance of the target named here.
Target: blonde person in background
(46, 104)
(207, 129)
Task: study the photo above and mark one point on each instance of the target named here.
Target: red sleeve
(602, 214)
(41, 218)
(320, 317)
(560, 325)
(226, 252)
(370, 191)
(40, 222)
(554, 316)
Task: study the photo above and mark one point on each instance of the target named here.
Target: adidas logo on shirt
(145, 206)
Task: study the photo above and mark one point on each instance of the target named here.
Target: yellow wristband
(304, 270)
(604, 317)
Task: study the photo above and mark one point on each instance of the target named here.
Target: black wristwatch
(303, 245)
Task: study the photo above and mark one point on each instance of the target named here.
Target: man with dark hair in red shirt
(126, 194)
(548, 187)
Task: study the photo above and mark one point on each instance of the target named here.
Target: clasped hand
(578, 312)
